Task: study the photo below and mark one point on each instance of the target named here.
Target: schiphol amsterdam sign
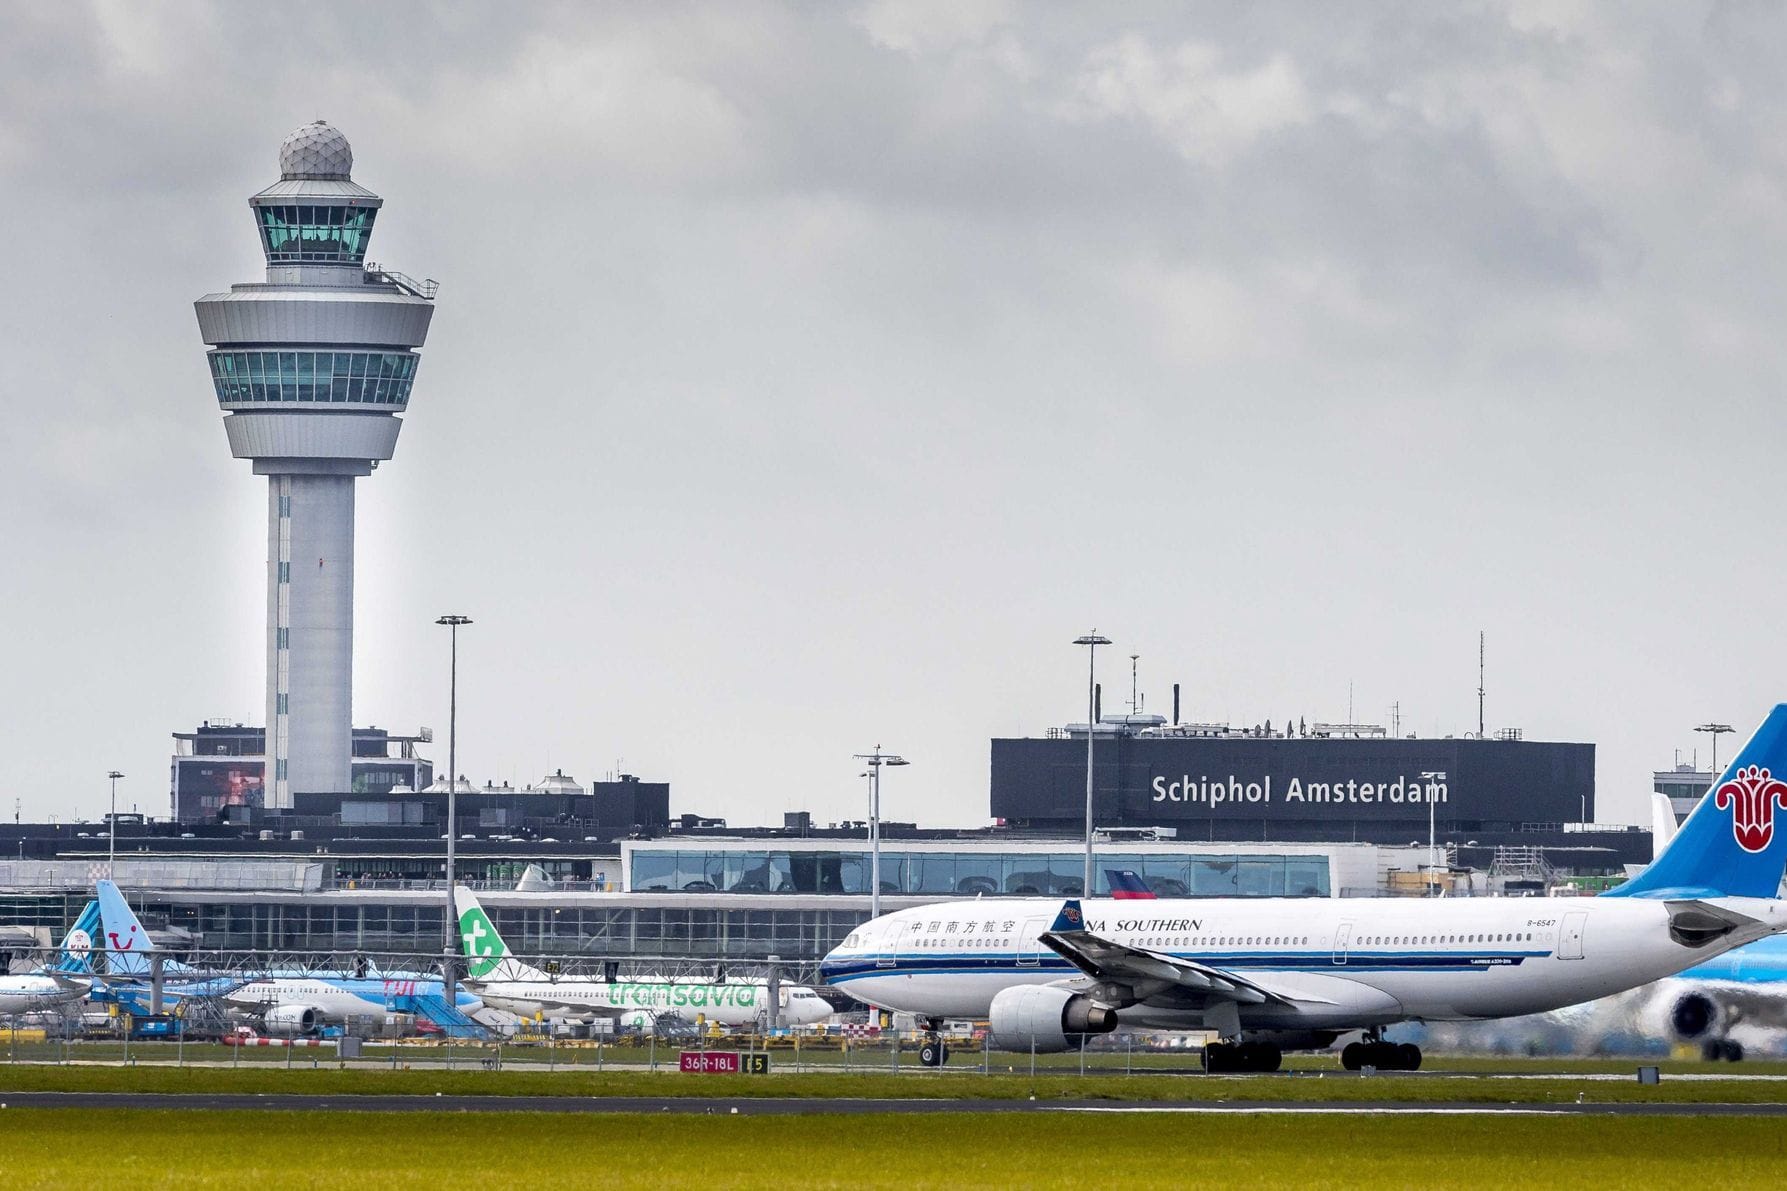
(1297, 792)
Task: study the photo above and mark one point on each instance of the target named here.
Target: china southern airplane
(1270, 974)
(70, 978)
(507, 983)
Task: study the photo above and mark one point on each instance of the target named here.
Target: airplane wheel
(1265, 1057)
(1352, 1056)
(1408, 1057)
(1734, 1050)
(1712, 1050)
(1219, 1057)
(931, 1055)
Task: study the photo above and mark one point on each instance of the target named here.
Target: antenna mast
(1479, 684)
(1135, 705)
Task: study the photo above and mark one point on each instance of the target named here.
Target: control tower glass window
(315, 234)
(377, 378)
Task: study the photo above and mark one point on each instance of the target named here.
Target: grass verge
(152, 1149)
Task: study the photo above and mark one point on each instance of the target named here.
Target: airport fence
(31, 1039)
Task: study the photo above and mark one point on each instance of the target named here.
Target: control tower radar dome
(317, 150)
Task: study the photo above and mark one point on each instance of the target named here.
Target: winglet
(1069, 918)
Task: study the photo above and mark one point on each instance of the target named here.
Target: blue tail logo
(1729, 846)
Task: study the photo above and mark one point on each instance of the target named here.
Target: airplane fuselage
(728, 1003)
(30, 993)
(1344, 963)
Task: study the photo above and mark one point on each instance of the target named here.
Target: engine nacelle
(1694, 1014)
(1052, 1019)
(290, 1021)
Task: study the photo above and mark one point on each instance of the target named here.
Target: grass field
(1305, 1087)
(142, 1149)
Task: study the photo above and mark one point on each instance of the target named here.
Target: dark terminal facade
(1332, 783)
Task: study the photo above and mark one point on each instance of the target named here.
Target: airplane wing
(1150, 974)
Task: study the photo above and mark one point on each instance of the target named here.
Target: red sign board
(711, 1062)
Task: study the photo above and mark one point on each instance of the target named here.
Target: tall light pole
(451, 922)
(111, 854)
(1715, 731)
(1429, 780)
(875, 761)
(1091, 641)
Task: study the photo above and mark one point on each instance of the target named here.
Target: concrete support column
(310, 626)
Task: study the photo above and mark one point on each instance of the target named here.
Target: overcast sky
(806, 377)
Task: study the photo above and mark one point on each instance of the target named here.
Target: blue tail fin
(1127, 885)
(127, 944)
(1734, 844)
(76, 954)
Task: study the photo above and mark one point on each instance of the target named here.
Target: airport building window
(319, 234)
(966, 874)
(364, 377)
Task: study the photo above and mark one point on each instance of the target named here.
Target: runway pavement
(795, 1106)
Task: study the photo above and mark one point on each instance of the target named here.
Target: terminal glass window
(967, 874)
(296, 234)
(375, 378)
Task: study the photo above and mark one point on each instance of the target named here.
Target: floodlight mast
(1091, 641)
(875, 761)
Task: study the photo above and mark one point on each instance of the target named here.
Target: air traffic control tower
(312, 367)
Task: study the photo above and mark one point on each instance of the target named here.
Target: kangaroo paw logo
(1752, 794)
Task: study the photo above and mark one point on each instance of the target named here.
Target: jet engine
(1694, 1014)
(290, 1021)
(1053, 1018)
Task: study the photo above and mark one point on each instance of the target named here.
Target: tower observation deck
(312, 367)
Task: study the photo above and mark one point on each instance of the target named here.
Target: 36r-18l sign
(723, 1062)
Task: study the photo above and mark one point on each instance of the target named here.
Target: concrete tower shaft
(312, 368)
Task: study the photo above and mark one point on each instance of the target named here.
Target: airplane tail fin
(1734, 844)
(1127, 885)
(76, 952)
(127, 944)
(1662, 823)
(486, 955)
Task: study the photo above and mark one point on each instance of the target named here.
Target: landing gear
(1714, 1049)
(1384, 1056)
(1222, 1058)
(932, 1052)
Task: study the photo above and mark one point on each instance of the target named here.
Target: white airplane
(294, 1005)
(1274, 973)
(70, 978)
(288, 1003)
(507, 983)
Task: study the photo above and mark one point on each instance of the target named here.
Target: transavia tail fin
(1127, 885)
(76, 953)
(487, 956)
(1735, 842)
(127, 944)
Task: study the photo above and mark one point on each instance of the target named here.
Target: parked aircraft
(506, 982)
(1273, 973)
(69, 978)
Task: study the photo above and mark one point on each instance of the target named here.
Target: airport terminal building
(1320, 782)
